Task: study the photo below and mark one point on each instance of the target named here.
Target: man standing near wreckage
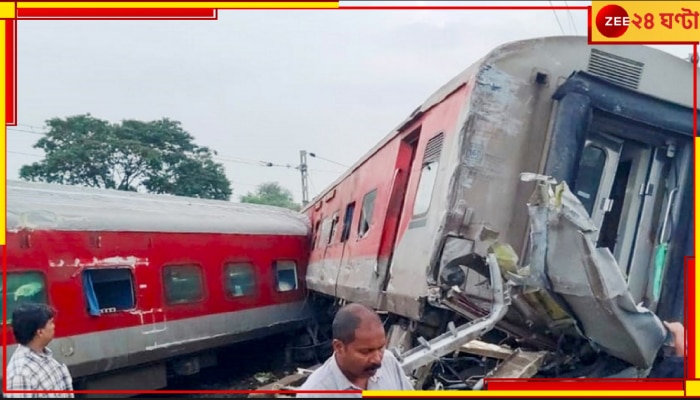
(359, 360)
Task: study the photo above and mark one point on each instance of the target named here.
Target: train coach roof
(70, 208)
(509, 49)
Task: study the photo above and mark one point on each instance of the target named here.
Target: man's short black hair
(348, 319)
(28, 318)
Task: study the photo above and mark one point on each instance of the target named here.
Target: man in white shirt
(32, 366)
(359, 361)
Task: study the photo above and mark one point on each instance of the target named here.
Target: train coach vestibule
(631, 169)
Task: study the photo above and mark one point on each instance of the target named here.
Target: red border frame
(514, 385)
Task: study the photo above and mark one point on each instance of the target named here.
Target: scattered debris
(484, 349)
(289, 382)
(263, 377)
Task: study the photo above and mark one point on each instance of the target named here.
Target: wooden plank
(487, 349)
(522, 364)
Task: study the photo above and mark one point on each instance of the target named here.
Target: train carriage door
(151, 310)
(397, 200)
(646, 238)
(621, 184)
(628, 189)
(345, 252)
(596, 174)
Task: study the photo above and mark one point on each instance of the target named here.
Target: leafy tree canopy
(157, 156)
(271, 193)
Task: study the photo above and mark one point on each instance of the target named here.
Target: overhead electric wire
(557, 17)
(239, 160)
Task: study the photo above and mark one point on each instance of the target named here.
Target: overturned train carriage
(149, 286)
(459, 190)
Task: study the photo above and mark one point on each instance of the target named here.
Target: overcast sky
(263, 85)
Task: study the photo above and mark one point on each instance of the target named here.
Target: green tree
(158, 156)
(271, 193)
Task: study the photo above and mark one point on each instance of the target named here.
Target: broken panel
(589, 282)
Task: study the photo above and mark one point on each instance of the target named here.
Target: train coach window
(316, 233)
(183, 284)
(240, 279)
(590, 172)
(334, 225)
(108, 290)
(347, 223)
(286, 275)
(23, 287)
(425, 188)
(366, 213)
(428, 175)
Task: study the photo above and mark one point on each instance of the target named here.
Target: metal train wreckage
(546, 192)
(536, 211)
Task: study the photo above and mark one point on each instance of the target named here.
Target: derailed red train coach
(147, 285)
(411, 227)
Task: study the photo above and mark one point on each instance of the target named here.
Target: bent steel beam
(455, 338)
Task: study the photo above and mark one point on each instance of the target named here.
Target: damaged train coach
(540, 200)
(148, 287)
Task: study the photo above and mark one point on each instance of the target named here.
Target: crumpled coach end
(588, 280)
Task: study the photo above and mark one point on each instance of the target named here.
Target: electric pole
(304, 178)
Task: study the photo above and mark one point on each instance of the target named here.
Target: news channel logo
(612, 21)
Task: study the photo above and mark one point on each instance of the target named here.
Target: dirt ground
(244, 367)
